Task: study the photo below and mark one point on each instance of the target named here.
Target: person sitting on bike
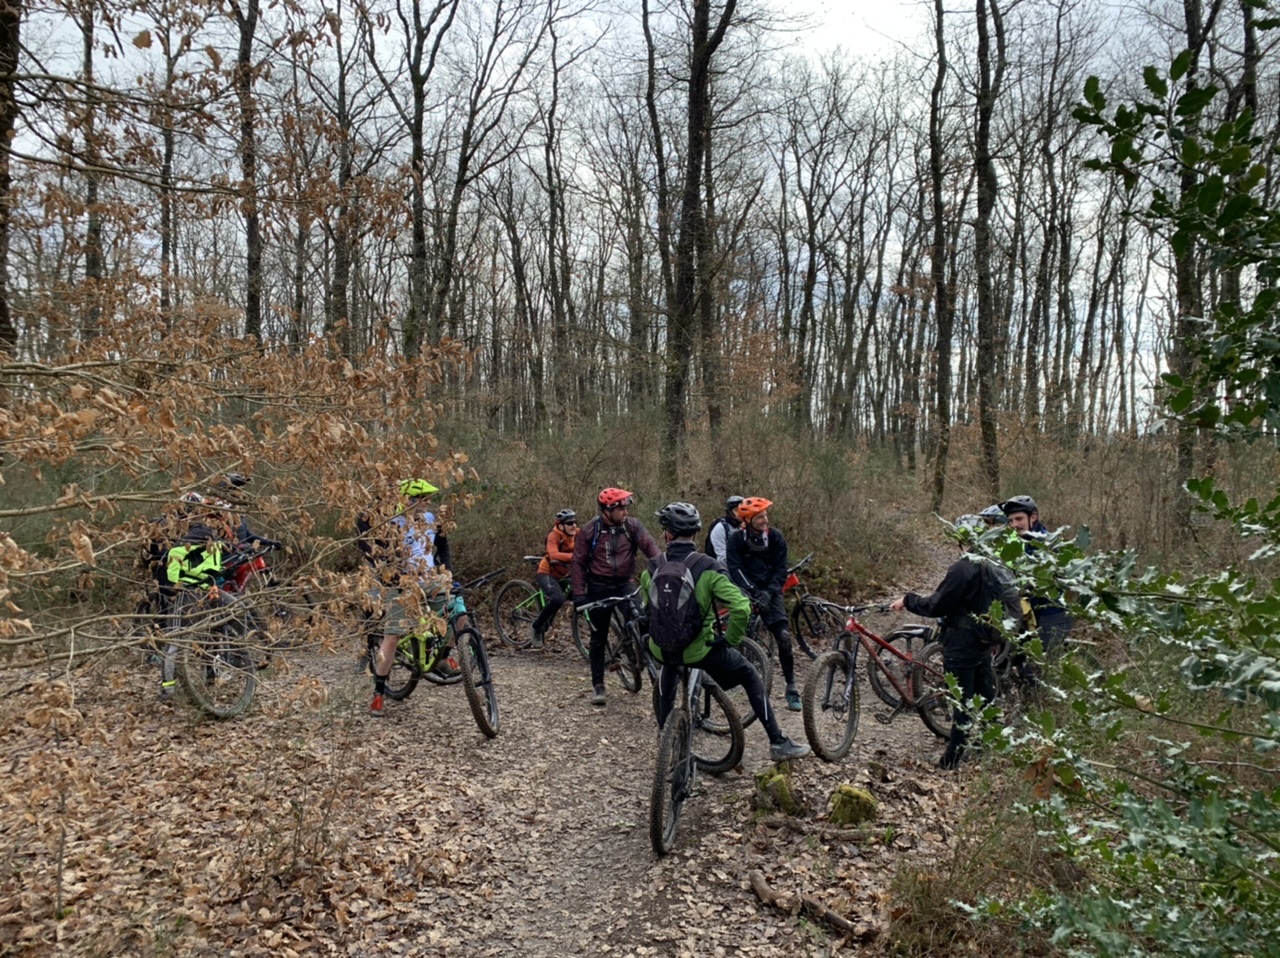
(718, 657)
(721, 528)
(963, 596)
(757, 559)
(604, 566)
(554, 567)
(1053, 621)
(410, 537)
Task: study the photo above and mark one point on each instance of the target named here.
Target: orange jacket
(558, 554)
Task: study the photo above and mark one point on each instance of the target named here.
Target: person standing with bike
(720, 659)
(554, 567)
(1052, 620)
(965, 594)
(604, 566)
(721, 528)
(407, 553)
(757, 559)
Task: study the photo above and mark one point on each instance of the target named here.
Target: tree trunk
(10, 47)
(937, 255)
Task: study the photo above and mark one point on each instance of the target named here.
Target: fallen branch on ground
(793, 902)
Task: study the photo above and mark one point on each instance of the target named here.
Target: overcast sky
(861, 26)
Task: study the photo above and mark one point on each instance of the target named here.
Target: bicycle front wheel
(515, 608)
(405, 671)
(622, 656)
(218, 675)
(673, 779)
(929, 688)
(831, 706)
(477, 680)
(581, 630)
(816, 625)
(906, 641)
(718, 740)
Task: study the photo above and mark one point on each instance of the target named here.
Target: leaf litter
(309, 828)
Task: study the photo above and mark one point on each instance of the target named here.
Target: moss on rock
(851, 805)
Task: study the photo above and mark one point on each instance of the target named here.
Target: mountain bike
(831, 702)
(702, 731)
(626, 653)
(209, 643)
(456, 653)
(811, 625)
(518, 605)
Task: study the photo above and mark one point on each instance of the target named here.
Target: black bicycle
(703, 731)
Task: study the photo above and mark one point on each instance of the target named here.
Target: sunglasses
(569, 522)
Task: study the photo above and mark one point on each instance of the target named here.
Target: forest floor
(308, 828)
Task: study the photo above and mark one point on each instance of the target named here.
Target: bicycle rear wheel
(477, 680)
(831, 705)
(218, 675)
(718, 740)
(763, 665)
(929, 689)
(516, 606)
(405, 671)
(673, 780)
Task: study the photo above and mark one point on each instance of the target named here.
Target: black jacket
(752, 571)
(959, 598)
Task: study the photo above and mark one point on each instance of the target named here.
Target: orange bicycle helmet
(613, 497)
(752, 506)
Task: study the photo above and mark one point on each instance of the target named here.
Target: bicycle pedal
(886, 718)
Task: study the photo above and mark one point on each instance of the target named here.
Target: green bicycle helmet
(416, 488)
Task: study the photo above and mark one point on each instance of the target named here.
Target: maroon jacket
(613, 558)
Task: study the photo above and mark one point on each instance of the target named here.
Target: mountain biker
(721, 528)
(554, 567)
(193, 564)
(958, 601)
(411, 534)
(1053, 621)
(757, 559)
(604, 566)
(720, 659)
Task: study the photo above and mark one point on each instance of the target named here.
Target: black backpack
(675, 619)
(998, 587)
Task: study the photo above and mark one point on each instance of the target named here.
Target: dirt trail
(308, 827)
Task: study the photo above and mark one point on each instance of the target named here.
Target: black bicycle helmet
(566, 515)
(680, 518)
(1020, 504)
(234, 480)
(732, 503)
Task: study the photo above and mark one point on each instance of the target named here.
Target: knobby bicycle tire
(218, 675)
(909, 641)
(515, 608)
(477, 680)
(621, 655)
(718, 739)
(405, 671)
(581, 630)
(673, 779)
(831, 705)
(929, 690)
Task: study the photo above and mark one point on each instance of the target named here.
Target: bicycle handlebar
(237, 559)
(801, 563)
(608, 602)
(533, 558)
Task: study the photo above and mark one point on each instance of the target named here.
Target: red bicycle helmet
(753, 506)
(612, 497)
